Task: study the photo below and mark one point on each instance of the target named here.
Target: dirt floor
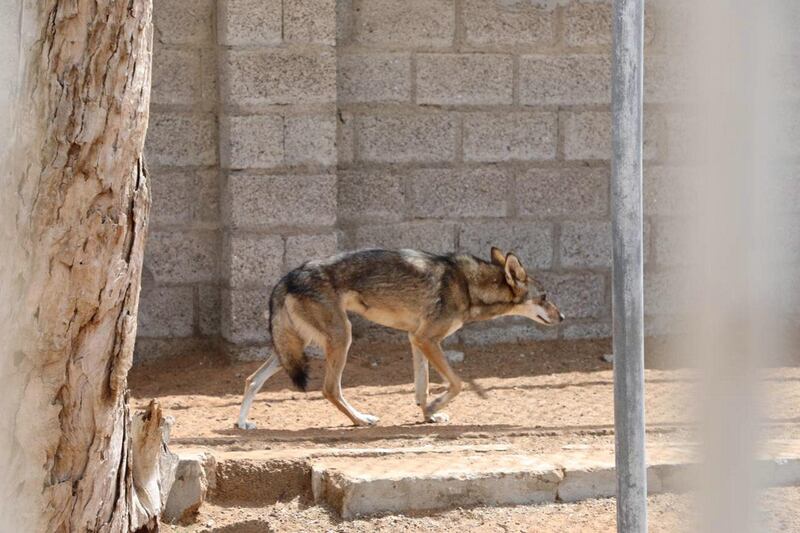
(542, 397)
(545, 389)
(779, 511)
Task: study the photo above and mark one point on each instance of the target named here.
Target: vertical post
(628, 274)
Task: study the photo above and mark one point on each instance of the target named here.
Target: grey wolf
(428, 296)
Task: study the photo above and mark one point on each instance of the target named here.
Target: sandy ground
(779, 511)
(537, 392)
(538, 398)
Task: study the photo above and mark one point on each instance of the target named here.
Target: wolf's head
(531, 298)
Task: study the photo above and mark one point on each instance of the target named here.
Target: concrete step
(379, 485)
(370, 481)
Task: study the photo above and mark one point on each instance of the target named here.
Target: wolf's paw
(245, 425)
(438, 418)
(367, 420)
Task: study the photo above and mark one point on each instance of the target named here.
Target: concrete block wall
(179, 306)
(277, 71)
(471, 123)
(287, 130)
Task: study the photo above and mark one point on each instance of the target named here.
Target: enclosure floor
(538, 397)
(543, 397)
(667, 513)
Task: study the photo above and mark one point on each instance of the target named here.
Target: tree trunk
(80, 212)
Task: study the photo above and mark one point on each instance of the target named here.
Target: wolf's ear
(515, 274)
(498, 257)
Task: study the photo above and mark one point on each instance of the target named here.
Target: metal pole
(628, 274)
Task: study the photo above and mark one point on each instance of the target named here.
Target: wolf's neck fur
(490, 296)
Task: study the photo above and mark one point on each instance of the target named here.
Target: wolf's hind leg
(433, 352)
(420, 375)
(252, 385)
(336, 347)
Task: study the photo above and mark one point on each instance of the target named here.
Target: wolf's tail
(286, 340)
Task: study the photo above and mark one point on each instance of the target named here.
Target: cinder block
(587, 330)
(409, 24)
(265, 201)
(249, 22)
(370, 194)
(182, 256)
(493, 23)
(565, 80)
(181, 196)
(173, 196)
(435, 237)
(243, 315)
(277, 76)
(493, 137)
(426, 138)
(149, 348)
(589, 24)
(302, 248)
(466, 79)
(310, 21)
(588, 244)
(368, 78)
(208, 190)
(532, 242)
(166, 312)
(181, 140)
(253, 141)
(577, 295)
(453, 193)
(550, 192)
(345, 22)
(588, 135)
(183, 21)
(209, 302)
(251, 260)
(345, 138)
(311, 139)
(176, 76)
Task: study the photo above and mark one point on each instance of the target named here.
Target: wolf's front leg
(433, 353)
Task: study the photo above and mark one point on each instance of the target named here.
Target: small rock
(193, 478)
(373, 364)
(608, 358)
(454, 356)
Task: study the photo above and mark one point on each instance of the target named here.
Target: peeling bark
(81, 221)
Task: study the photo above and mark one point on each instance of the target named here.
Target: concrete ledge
(376, 486)
(373, 481)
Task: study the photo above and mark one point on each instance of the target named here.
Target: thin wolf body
(428, 296)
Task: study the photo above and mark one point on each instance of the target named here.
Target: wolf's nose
(561, 317)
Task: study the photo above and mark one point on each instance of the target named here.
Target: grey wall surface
(284, 131)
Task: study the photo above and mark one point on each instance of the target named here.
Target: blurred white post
(628, 274)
